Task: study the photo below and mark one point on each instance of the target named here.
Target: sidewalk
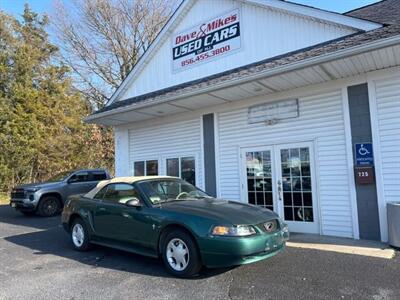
(341, 245)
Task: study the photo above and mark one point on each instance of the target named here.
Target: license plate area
(274, 242)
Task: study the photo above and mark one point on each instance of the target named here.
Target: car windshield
(167, 190)
(59, 176)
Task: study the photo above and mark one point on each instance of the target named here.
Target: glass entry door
(296, 187)
(259, 178)
(281, 178)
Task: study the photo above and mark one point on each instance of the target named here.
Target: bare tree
(101, 40)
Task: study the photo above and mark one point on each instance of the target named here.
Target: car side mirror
(133, 202)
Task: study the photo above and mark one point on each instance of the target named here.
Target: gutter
(267, 73)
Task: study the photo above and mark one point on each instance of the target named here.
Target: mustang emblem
(270, 226)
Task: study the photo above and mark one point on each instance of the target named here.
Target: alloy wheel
(78, 235)
(177, 254)
(50, 207)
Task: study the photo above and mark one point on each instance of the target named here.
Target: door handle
(279, 184)
(126, 215)
(102, 209)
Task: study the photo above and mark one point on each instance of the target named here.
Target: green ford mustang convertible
(169, 218)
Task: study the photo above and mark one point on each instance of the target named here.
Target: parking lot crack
(231, 279)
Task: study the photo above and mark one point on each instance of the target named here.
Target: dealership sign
(208, 40)
(273, 111)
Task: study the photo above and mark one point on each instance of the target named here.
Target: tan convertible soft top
(130, 179)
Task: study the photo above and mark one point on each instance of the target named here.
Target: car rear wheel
(80, 235)
(49, 206)
(180, 254)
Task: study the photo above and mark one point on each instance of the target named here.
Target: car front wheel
(80, 235)
(49, 206)
(180, 254)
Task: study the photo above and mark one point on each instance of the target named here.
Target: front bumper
(22, 204)
(230, 251)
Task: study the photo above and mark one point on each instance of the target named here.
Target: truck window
(99, 175)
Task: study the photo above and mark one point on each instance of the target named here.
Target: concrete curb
(342, 245)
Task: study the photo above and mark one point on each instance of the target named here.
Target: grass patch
(4, 198)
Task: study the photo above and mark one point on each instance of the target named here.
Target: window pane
(308, 214)
(284, 155)
(173, 167)
(307, 198)
(111, 194)
(80, 177)
(257, 164)
(139, 168)
(287, 199)
(249, 164)
(101, 193)
(306, 183)
(170, 189)
(305, 169)
(99, 176)
(252, 198)
(260, 199)
(268, 200)
(120, 193)
(304, 154)
(295, 153)
(297, 201)
(288, 213)
(151, 167)
(188, 171)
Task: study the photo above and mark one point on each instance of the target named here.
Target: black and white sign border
(172, 45)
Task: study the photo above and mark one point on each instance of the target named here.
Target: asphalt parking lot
(37, 262)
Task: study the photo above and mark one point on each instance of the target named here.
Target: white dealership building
(271, 103)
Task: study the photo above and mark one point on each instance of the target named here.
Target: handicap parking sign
(364, 154)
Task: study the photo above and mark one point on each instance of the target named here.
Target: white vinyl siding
(265, 33)
(167, 141)
(321, 121)
(387, 94)
(121, 142)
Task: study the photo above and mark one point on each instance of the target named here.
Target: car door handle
(102, 209)
(126, 215)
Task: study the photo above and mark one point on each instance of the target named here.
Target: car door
(115, 220)
(79, 183)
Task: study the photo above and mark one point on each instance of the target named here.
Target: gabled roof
(385, 12)
(361, 39)
(294, 8)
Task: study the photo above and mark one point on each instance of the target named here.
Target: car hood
(222, 211)
(37, 185)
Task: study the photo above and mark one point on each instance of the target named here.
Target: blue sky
(15, 7)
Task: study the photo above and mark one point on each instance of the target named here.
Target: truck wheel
(80, 235)
(49, 206)
(180, 254)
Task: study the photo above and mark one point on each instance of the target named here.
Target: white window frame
(179, 157)
(145, 166)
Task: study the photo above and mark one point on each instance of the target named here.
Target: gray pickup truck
(48, 198)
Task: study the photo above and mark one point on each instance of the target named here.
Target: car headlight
(238, 230)
(33, 190)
